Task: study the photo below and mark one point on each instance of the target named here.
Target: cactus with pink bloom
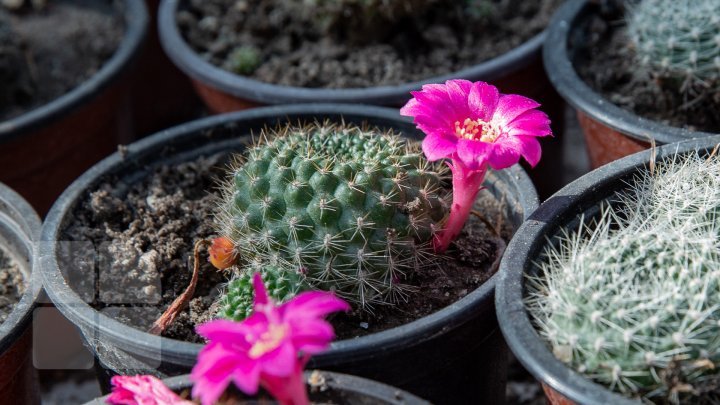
(269, 349)
(474, 127)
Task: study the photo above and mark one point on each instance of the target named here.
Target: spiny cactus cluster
(281, 286)
(352, 210)
(678, 39)
(632, 300)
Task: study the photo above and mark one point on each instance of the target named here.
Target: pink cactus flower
(142, 390)
(269, 348)
(474, 126)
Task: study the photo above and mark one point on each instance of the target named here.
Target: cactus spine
(353, 211)
(678, 39)
(632, 301)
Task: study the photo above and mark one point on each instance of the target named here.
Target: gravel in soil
(12, 285)
(46, 53)
(605, 59)
(279, 42)
(144, 234)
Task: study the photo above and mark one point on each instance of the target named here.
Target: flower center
(269, 340)
(476, 130)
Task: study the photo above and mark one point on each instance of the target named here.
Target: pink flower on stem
(474, 126)
(142, 390)
(269, 348)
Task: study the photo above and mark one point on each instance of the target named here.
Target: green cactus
(281, 285)
(243, 60)
(353, 210)
(633, 300)
(678, 39)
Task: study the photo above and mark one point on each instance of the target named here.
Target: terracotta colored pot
(43, 150)
(19, 230)
(579, 199)
(610, 131)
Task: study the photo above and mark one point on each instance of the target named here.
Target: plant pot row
(454, 355)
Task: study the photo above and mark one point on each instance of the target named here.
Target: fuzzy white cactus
(632, 300)
(678, 39)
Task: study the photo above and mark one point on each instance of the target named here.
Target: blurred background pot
(519, 71)
(19, 229)
(610, 131)
(44, 149)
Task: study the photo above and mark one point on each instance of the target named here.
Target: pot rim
(136, 20)
(178, 351)
(250, 89)
(338, 381)
(20, 227)
(565, 205)
(564, 77)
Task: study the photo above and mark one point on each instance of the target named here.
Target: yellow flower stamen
(476, 130)
(269, 340)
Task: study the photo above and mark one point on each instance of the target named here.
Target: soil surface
(12, 285)
(606, 60)
(145, 240)
(292, 43)
(44, 54)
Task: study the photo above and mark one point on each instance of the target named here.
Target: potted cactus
(611, 299)
(637, 70)
(336, 204)
(275, 343)
(63, 106)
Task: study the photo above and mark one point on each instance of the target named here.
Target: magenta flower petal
(261, 295)
(510, 106)
(265, 348)
(483, 100)
(473, 154)
(458, 91)
(142, 390)
(437, 147)
(475, 126)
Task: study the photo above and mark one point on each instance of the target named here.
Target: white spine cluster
(632, 300)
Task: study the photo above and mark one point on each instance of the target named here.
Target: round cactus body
(281, 286)
(633, 300)
(351, 210)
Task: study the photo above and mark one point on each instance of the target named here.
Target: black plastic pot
(610, 131)
(19, 230)
(44, 149)
(455, 354)
(345, 388)
(519, 71)
(562, 211)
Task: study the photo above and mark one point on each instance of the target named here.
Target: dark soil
(12, 286)
(44, 54)
(145, 233)
(283, 43)
(606, 60)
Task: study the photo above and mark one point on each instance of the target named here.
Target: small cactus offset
(282, 285)
(678, 39)
(353, 211)
(633, 300)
